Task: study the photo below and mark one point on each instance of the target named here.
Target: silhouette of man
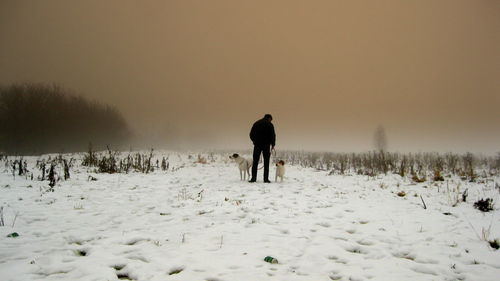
(264, 139)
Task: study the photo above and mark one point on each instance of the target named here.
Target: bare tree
(380, 139)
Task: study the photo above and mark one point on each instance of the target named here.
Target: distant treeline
(41, 118)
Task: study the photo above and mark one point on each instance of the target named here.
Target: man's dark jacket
(262, 133)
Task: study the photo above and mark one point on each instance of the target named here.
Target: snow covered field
(200, 222)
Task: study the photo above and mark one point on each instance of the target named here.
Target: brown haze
(198, 73)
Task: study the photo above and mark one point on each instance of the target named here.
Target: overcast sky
(199, 73)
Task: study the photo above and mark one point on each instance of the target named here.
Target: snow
(200, 222)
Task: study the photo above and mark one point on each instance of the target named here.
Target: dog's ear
(282, 162)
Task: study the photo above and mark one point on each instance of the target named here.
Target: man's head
(268, 117)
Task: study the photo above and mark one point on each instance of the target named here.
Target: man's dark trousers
(266, 153)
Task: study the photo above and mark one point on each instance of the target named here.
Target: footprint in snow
(81, 252)
(355, 278)
(199, 270)
(334, 275)
(351, 230)
(342, 261)
(355, 249)
(365, 242)
(176, 270)
(124, 276)
(118, 267)
(138, 258)
(134, 241)
(424, 269)
(404, 255)
(284, 231)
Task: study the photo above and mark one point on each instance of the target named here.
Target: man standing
(264, 139)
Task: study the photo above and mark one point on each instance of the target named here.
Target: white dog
(280, 170)
(244, 165)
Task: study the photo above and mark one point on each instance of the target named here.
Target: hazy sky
(199, 73)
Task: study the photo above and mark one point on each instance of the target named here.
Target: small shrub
(495, 244)
(2, 223)
(416, 179)
(163, 164)
(66, 170)
(438, 176)
(454, 195)
(464, 195)
(108, 164)
(52, 177)
(81, 253)
(484, 205)
(90, 159)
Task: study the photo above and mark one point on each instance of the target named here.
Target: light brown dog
(280, 170)
(244, 165)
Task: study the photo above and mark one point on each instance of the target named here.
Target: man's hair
(268, 117)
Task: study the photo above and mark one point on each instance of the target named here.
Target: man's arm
(273, 136)
(252, 133)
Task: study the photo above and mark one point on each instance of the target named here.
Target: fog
(197, 74)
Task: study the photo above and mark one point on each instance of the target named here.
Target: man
(264, 139)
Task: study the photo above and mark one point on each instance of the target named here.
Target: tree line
(42, 118)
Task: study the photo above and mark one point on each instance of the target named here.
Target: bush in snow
(495, 244)
(484, 205)
(419, 166)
